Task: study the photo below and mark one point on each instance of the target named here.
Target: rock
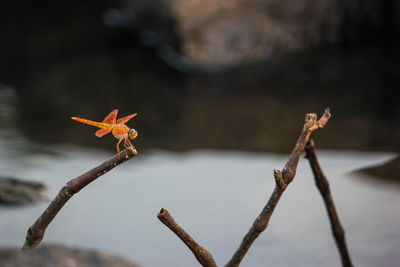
(231, 33)
(59, 255)
(18, 192)
(389, 170)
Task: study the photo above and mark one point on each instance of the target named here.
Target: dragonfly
(116, 127)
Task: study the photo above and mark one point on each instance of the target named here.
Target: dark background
(204, 74)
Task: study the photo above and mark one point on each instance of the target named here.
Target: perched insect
(116, 127)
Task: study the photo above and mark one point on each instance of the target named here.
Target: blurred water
(215, 196)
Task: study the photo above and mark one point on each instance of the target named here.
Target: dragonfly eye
(132, 134)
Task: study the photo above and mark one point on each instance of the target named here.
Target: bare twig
(202, 255)
(323, 185)
(282, 181)
(36, 232)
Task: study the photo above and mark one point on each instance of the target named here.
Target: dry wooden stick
(282, 180)
(202, 255)
(36, 232)
(323, 185)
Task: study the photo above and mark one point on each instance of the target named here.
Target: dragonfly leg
(119, 142)
(129, 145)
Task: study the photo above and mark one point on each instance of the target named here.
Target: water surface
(215, 196)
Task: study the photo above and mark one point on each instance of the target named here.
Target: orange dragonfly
(116, 127)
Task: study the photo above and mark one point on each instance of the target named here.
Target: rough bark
(323, 186)
(36, 232)
(202, 255)
(282, 179)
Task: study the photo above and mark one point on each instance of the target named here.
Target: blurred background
(204, 74)
(219, 76)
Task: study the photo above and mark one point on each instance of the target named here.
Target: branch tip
(324, 119)
(163, 212)
(280, 182)
(202, 255)
(310, 117)
(328, 111)
(282, 179)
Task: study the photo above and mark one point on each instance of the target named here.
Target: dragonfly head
(132, 134)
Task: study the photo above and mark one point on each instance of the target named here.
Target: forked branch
(323, 186)
(36, 232)
(282, 179)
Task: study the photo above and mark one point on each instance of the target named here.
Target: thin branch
(323, 186)
(202, 255)
(282, 181)
(36, 232)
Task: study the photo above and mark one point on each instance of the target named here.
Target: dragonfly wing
(111, 118)
(102, 132)
(127, 118)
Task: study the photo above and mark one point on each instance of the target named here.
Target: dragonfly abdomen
(93, 123)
